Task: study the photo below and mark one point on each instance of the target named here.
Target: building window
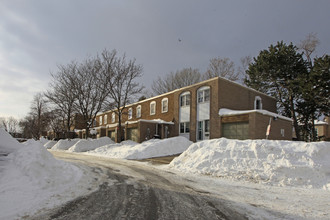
(105, 119)
(207, 125)
(113, 117)
(185, 99)
(203, 94)
(257, 103)
(138, 111)
(100, 120)
(130, 113)
(184, 127)
(164, 105)
(152, 108)
(282, 132)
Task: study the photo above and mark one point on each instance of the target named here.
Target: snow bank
(280, 163)
(43, 140)
(90, 144)
(50, 144)
(31, 178)
(65, 144)
(147, 149)
(35, 162)
(7, 143)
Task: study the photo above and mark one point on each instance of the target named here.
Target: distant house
(210, 109)
(323, 129)
(76, 129)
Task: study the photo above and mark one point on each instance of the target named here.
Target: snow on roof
(158, 121)
(114, 125)
(228, 112)
(317, 122)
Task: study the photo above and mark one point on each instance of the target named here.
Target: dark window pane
(206, 95)
(187, 127)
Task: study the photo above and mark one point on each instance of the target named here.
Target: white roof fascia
(229, 112)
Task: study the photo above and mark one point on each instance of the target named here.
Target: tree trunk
(119, 134)
(294, 117)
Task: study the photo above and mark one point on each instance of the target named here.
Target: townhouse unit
(323, 129)
(210, 109)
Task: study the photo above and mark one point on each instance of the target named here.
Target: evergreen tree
(315, 94)
(278, 72)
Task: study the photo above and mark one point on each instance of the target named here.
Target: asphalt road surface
(134, 190)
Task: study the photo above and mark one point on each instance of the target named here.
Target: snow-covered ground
(31, 178)
(289, 177)
(277, 163)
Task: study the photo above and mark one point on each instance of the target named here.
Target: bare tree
(37, 121)
(172, 81)
(121, 77)
(61, 93)
(222, 67)
(10, 124)
(39, 109)
(308, 46)
(245, 62)
(29, 127)
(90, 84)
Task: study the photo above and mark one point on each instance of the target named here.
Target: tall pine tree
(278, 72)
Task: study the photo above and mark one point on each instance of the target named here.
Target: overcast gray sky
(36, 35)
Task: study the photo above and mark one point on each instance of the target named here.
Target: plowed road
(135, 190)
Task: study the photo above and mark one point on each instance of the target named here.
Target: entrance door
(203, 130)
(132, 134)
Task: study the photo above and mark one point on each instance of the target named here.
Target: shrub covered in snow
(274, 162)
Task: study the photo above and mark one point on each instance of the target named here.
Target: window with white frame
(130, 113)
(152, 108)
(113, 117)
(100, 120)
(257, 103)
(185, 99)
(105, 119)
(203, 94)
(138, 111)
(164, 105)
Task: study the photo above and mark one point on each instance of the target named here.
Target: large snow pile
(280, 163)
(43, 140)
(116, 150)
(30, 176)
(50, 144)
(65, 144)
(147, 149)
(90, 144)
(7, 143)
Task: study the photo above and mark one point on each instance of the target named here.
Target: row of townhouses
(210, 109)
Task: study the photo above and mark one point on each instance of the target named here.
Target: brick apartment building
(199, 112)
